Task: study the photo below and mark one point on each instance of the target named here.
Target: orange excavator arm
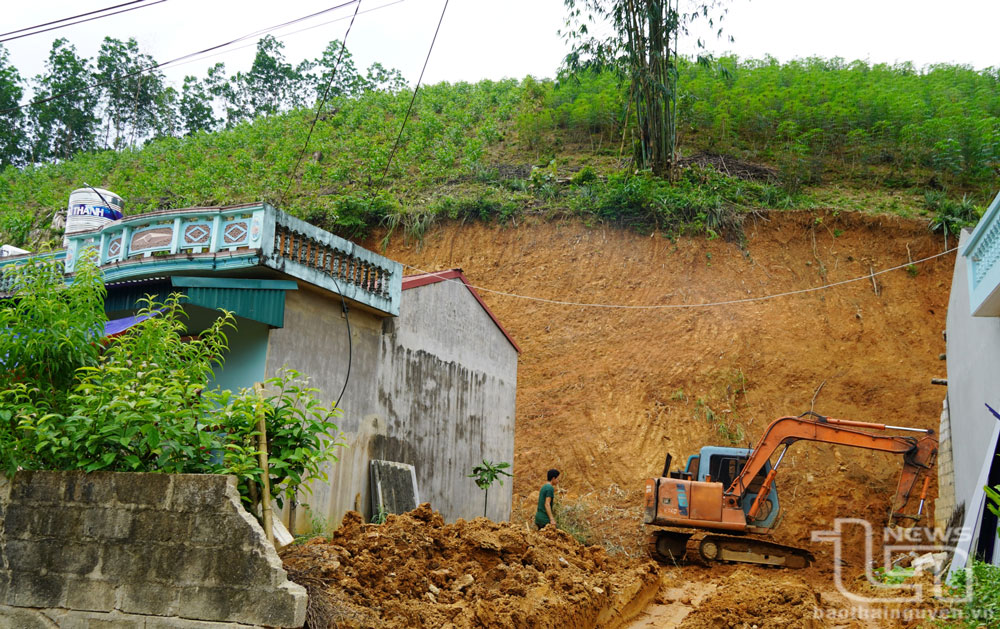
(918, 454)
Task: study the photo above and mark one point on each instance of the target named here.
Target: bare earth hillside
(605, 393)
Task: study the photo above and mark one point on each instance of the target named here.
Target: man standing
(546, 499)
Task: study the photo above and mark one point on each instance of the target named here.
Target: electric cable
(287, 35)
(319, 106)
(729, 302)
(89, 19)
(178, 59)
(72, 17)
(412, 100)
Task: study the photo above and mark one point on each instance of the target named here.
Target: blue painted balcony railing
(218, 239)
(983, 253)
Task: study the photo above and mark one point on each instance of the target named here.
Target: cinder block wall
(141, 551)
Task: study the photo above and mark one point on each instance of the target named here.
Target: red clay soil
(416, 571)
(604, 393)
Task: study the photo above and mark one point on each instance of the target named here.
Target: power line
(181, 58)
(287, 35)
(89, 19)
(412, 100)
(319, 105)
(72, 17)
(683, 306)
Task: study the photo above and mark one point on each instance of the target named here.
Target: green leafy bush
(983, 609)
(141, 403)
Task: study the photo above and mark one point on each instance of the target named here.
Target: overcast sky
(505, 38)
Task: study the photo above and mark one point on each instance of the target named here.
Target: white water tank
(87, 210)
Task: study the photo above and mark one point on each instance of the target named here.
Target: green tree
(12, 131)
(270, 85)
(487, 474)
(196, 106)
(642, 48)
(168, 117)
(64, 125)
(131, 92)
(346, 79)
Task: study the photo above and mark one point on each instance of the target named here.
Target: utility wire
(285, 36)
(319, 108)
(412, 100)
(89, 19)
(683, 306)
(72, 17)
(181, 58)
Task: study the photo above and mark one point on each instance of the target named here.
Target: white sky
(506, 38)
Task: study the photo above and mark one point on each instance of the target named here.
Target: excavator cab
(723, 465)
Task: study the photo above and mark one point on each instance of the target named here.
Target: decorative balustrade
(982, 251)
(213, 239)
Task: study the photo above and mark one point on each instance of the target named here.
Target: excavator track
(672, 546)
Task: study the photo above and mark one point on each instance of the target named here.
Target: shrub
(140, 403)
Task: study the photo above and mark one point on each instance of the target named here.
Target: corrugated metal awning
(259, 300)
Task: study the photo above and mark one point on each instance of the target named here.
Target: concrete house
(968, 458)
(424, 372)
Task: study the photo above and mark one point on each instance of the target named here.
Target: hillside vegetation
(817, 133)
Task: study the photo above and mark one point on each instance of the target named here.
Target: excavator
(725, 497)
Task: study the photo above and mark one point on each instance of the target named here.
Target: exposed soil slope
(605, 393)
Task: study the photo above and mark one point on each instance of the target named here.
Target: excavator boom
(715, 516)
(918, 454)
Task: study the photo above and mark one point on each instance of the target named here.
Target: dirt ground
(605, 393)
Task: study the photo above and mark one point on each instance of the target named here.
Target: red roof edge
(423, 279)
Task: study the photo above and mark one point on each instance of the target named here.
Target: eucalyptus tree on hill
(196, 106)
(64, 125)
(12, 132)
(642, 48)
(130, 92)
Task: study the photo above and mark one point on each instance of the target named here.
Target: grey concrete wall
(140, 551)
(314, 341)
(973, 374)
(448, 387)
(434, 387)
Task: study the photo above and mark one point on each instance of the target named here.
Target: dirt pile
(416, 571)
(745, 599)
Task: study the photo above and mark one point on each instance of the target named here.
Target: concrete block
(90, 595)
(38, 486)
(29, 589)
(281, 607)
(161, 526)
(24, 618)
(212, 603)
(143, 490)
(124, 563)
(149, 599)
(60, 522)
(73, 558)
(200, 492)
(108, 524)
(177, 565)
(250, 567)
(20, 521)
(95, 488)
(93, 620)
(26, 555)
(217, 529)
(184, 623)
